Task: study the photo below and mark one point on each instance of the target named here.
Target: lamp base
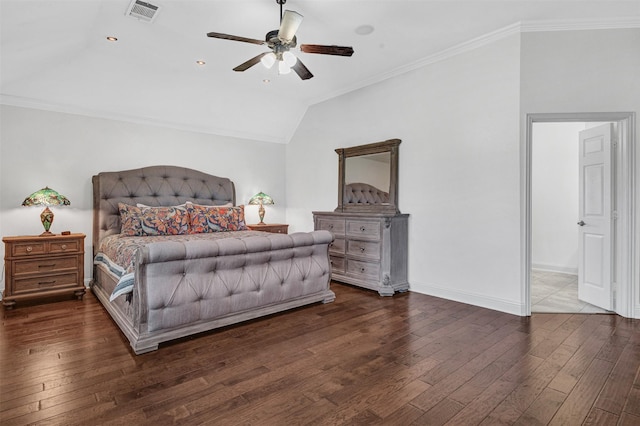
(46, 234)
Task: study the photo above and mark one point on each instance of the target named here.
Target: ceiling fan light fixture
(268, 60)
(283, 68)
(289, 58)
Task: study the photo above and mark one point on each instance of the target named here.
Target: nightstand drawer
(26, 285)
(21, 267)
(28, 249)
(65, 246)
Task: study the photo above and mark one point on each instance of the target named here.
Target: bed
(179, 281)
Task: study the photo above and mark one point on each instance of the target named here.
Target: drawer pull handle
(331, 226)
(29, 249)
(63, 247)
(362, 228)
(50, 265)
(46, 282)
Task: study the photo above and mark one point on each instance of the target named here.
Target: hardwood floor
(364, 359)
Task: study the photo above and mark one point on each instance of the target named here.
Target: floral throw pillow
(203, 219)
(136, 221)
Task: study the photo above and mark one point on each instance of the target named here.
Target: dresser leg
(79, 294)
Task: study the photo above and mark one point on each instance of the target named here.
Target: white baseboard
(481, 300)
(554, 268)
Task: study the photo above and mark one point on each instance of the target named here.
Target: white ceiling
(54, 54)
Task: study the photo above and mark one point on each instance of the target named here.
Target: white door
(595, 211)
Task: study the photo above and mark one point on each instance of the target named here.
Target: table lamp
(46, 197)
(261, 198)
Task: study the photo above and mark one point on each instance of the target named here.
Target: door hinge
(615, 143)
(614, 214)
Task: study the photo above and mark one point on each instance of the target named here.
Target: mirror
(368, 177)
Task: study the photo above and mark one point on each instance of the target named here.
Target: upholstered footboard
(183, 288)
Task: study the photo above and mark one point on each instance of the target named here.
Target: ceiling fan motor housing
(273, 41)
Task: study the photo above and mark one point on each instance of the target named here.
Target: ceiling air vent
(142, 10)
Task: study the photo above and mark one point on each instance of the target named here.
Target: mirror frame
(390, 146)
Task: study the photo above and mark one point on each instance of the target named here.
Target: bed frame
(183, 288)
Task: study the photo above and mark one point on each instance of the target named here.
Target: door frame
(626, 239)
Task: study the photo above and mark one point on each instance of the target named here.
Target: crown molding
(483, 40)
(581, 24)
(19, 101)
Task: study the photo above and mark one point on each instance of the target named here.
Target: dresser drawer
(363, 228)
(27, 249)
(337, 264)
(370, 249)
(363, 269)
(26, 285)
(337, 246)
(35, 266)
(335, 226)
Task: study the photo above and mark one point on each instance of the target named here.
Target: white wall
(63, 151)
(462, 125)
(459, 172)
(585, 71)
(554, 196)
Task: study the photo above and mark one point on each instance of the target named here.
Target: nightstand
(43, 266)
(274, 228)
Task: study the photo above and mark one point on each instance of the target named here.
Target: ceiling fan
(280, 41)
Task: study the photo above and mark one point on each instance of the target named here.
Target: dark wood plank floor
(410, 359)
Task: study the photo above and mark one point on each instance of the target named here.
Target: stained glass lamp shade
(261, 198)
(46, 197)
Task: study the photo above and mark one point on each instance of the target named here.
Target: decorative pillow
(203, 219)
(136, 221)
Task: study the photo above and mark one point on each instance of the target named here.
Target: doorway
(624, 241)
(555, 234)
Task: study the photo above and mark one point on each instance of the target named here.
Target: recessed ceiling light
(111, 38)
(266, 81)
(364, 29)
(200, 62)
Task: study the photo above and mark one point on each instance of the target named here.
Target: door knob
(581, 223)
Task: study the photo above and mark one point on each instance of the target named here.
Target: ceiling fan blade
(327, 50)
(251, 62)
(236, 38)
(290, 23)
(302, 71)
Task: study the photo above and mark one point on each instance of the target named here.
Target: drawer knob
(361, 269)
(331, 226)
(362, 249)
(63, 247)
(29, 249)
(362, 228)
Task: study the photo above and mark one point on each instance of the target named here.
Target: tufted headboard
(363, 193)
(153, 186)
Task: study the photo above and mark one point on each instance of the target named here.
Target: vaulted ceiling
(55, 54)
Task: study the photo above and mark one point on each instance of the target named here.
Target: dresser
(369, 250)
(41, 266)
